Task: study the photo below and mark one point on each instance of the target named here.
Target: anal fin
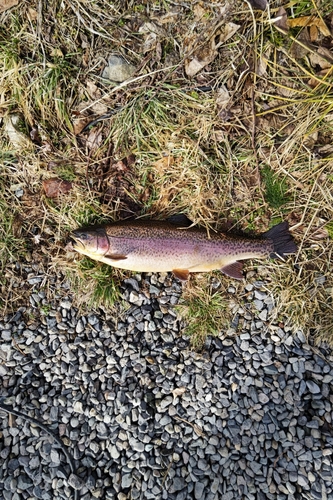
(234, 270)
(115, 256)
(181, 274)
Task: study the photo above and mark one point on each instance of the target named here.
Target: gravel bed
(144, 417)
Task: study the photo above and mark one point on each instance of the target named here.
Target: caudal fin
(282, 240)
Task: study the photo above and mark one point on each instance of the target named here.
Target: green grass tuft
(329, 228)
(102, 279)
(275, 188)
(66, 173)
(11, 245)
(203, 310)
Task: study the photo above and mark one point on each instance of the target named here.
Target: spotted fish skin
(158, 246)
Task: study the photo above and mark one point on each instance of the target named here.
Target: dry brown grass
(200, 153)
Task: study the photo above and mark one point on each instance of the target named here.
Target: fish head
(92, 242)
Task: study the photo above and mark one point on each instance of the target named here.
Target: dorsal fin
(180, 220)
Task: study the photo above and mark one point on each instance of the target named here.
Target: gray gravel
(143, 417)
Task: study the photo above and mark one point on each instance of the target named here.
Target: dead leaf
(222, 97)
(152, 34)
(313, 33)
(12, 126)
(47, 147)
(34, 135)
(219, 135)
(262, 66)
(96, 109)
(145, 195)
(158, 52)
(304, 21)
(94, 92)
(150, 27)
(329, 117)
(99, 108)
(149, 43)
(7, 4)
(17, 225)
(314, 82)
(228, 30)
(320, 234)
(281, 20)
(199, 11)
(311, 139)
(326, 150)
(94, 139)
(130, 159)
(299, 48)
(32, 14)
(80, 122)
(200, 59)
(323, 51)
(318, 59)
(169, 17)
(197, 429)
(201, 49)
(119, 166)
(55, 187)
(164, 164)
(258, 4)
(178, 391)
(56, 52)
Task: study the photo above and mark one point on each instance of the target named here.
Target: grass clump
(66, 172)
(11, 244)
(304, 295)
(276, 189)
(103, 281)
(203, 309)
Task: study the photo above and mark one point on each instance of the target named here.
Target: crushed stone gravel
(120, 407)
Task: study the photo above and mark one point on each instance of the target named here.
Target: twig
(167, 472)
(11, 411)
(195, 427)
(253, 131)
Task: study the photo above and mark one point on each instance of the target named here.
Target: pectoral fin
(181, 274)
(115, 256)
(234, 270)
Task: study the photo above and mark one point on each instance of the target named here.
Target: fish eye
(80, 235)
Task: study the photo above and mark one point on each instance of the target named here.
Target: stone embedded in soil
(118, 69)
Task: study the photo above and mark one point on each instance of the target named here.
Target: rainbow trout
(156, 246)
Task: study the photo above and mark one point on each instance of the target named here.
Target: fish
(172, 245)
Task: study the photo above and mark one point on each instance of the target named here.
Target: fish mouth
(76, 240)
